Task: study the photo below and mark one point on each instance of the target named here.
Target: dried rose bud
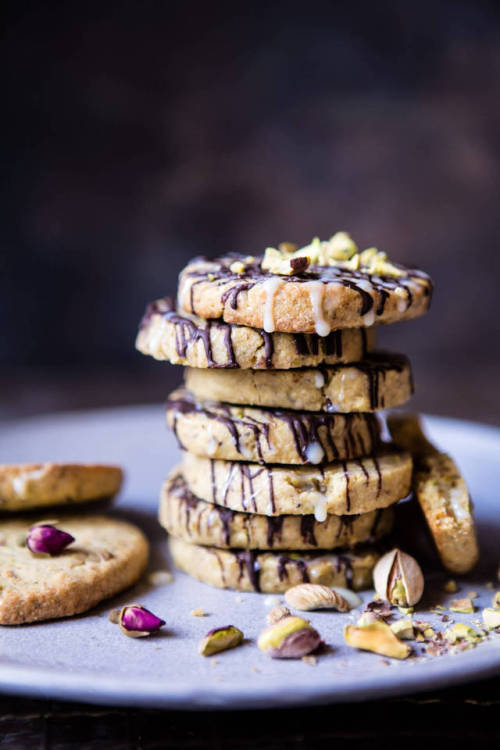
(137, 621)
(45, 539)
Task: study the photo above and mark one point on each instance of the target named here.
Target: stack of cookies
(285, 478)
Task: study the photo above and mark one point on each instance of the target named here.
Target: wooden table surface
(464, 717)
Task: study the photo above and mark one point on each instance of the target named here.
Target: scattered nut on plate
(377, 637)
(220, 639)
(398, 579)
(308, 596)
(289, 638)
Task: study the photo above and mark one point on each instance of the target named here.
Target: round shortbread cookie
(273, 572)
(322, 299)
(345, 487)
(442, 494)
(238, 433)
(186, 516)
(25, 486)
(380, 381)
(183, 339)
(107, 556)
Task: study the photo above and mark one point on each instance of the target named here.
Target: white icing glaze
(459, 503)
(369, 318)
(211, 446)
(319, 379)
(19, 483)
(351, 598)
(270, 287)
(316, 291)
(271, 601)
(314, 453)
(319, 504)
(402, 299)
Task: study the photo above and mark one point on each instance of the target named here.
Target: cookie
(24, 486)
(186, 516)
(107, 556)
(319, 300)
(442, 494)
(238, 433)
(183, 339)
(380, 381)
(345, 487)
(273, 572)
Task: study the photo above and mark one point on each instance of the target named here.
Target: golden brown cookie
(24, 486)
(442, 494)
(196, 521)
(319, 300)
(380, 381)
(183, 339)
(273, 572)
(107, 556)
(238, 433)
(344, 487)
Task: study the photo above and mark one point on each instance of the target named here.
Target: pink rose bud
(137, 621)
(47, 540)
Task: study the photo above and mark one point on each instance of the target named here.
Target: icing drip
(316, 291)
(319, 379)
(314, 453)
(319, 504)
(270, 287)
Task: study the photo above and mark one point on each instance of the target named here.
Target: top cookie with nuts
(319, 288)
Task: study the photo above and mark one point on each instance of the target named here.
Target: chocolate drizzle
(248, 561)
(283, 561)
(307, 524)
(308, 429)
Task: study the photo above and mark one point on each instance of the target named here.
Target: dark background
(138, 134)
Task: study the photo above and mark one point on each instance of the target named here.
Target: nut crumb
(160, 577)
(311, 661)
(238, 599)
(198, 612)
(450, 587)
(213, 662)
(256, 670)
(472, 594)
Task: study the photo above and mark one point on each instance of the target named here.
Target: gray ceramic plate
(86, 658)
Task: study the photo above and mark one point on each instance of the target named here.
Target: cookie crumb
(198, 612)
(160, 577)
(311, 661)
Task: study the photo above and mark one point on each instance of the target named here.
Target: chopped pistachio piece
(403, 629)
(491, 618)
(220, 639)
(377, 637)
(464, 606)
(461, 632)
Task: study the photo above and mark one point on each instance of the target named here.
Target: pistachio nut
(366, 618)
(398, 578)
(491, 618)
(403, 629)
(307, 596)
(496, 600)
(464, 606)
(220, 639)
(377, 637)
(289, 638)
